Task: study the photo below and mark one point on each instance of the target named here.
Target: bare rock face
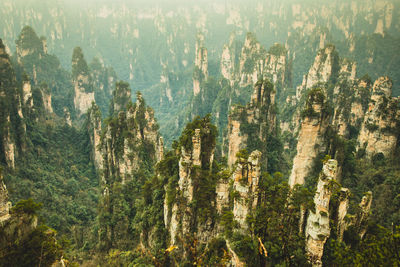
(83, 87)
(251, 61)
(342, 223)
(361, 219)
(323, 68)
(9, 146)
(311, 140)
(123, 138)
(318, 228)
(350, 104)
(4, 204)
(29, 44)
(260, 112)
(379, 131)
(94, 117)
(9, 99)
(236, 140)
(227, 63)
(121, 97)
(46, 95)
(246, 178)
(27, 93)
(200, 64)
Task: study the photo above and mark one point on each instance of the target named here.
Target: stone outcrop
(200, 64)
(46, 96)
(29, 44)
(260, 112)
(361, 219)
(9, 145)
(311, 140)
(4, 203)
(122, 139)
(350, 99)
(83, 87)
(27, 93)
(341, 222)
(67, 116)
(380, 128)
(11, 122)
(181, 220)
(325, 67)
(246, 178)
(94, 130)
(318, 227)
(121, 97)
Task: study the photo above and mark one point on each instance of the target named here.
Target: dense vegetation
(107, 217)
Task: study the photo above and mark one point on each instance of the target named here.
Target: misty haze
(199, 133)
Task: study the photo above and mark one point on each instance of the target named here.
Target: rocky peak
(363, 214)
(94, 130)
(121, 97)
(200, 64)
(379, 130)
(246, 178)
(251, 60)
(28, 43)
(260, 112)
(228, 59)
(126, 134)
(318, 227)
(83, 87)
(324, 68)
(311, 140)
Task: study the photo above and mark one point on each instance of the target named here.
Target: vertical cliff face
(318, 225)
(361, 219)
(121, 98)
(379, 130)
(129, 146)
(200, 64)
(341, 222)
(246, 178)
(94, 130)
(125, 136)
(11, 124)
(27, 93)
(350, 100)
(253, 122)
(28, 44)
(311, 140)
(83, 87)
(325, 66)
(190, 202)
(46, 96)
(4, 204)
(251, 61)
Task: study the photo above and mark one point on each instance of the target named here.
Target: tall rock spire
(83, 87)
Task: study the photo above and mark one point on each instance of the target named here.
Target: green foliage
(208, 134)
(29, 40)
(79, 65)
(314, 96)
(278, 50)
(380, 248)
(55, 170)
(40, 248)
(27, 206)
(246, 248)
(279, 232)
(121, 97)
